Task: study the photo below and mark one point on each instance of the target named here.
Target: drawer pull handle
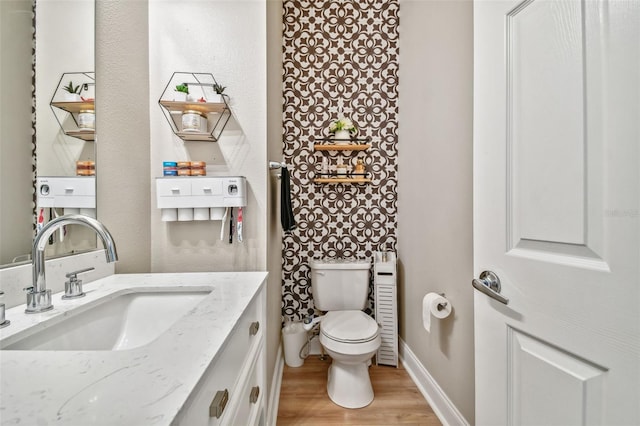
(219, 402)
(255, 393)
(253, 328)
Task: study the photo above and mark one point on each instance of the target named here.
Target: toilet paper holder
(442, 305)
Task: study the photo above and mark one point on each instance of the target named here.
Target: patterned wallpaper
(340, 57)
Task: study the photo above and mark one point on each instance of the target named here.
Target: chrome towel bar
(274, 165)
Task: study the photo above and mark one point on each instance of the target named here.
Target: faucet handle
(73, 287)
(3, 322)
(73, 275)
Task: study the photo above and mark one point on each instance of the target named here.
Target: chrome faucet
(38, 297)
(3, 321)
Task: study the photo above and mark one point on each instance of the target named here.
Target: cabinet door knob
(253, 328)
(219, 403)
(255, 393)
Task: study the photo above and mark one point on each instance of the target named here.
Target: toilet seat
(349, 327)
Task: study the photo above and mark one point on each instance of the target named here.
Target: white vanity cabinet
(175, 379)
(232, 390)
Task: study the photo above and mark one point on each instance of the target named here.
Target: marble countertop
(142, 386)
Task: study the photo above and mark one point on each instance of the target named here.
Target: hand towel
(286, 213)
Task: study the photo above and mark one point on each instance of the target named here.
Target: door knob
(489, 284)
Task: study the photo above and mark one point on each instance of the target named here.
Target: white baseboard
(274, 392)
(432, 392)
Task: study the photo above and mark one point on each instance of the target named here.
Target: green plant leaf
(182, 88)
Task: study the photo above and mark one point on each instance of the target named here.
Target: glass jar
(194, 121)
(87, 119)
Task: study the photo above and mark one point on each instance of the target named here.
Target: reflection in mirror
(64, 43)
(16, 145)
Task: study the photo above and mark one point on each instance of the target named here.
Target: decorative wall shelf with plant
(342, 176)
(73, 104)
(195, 106)
(343, 130)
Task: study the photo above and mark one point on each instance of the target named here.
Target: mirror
(37, 145)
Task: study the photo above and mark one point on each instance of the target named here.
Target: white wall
(227, 39)
(122, 123)
(435, 188)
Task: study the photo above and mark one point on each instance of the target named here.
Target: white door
(557, 211)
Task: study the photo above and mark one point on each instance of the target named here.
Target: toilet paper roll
(216, 213)
(201, 213)
(435, 305)
(185, 215)
(169, 215)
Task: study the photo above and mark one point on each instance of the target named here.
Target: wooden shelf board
(200, 137)
(342, 180)
(74, 107)
(85, 135)
(204, 107)
(331, 139)
(334, 147)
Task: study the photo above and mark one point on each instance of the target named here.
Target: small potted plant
(71, 92)
(342, 130)
(219, 90)
(181, 92)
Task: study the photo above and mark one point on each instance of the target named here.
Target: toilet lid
(349, 326)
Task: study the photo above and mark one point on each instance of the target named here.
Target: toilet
(348, 335)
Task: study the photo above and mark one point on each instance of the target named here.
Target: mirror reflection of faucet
(38, 297)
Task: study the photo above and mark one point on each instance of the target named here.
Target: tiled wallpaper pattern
(340, 57)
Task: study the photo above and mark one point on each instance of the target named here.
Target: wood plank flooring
(304, 399)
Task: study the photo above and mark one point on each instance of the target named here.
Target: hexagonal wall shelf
(202, 100)
(67, 106)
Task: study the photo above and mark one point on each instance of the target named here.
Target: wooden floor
(304, 399)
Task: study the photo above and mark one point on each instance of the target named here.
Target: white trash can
(294, 336)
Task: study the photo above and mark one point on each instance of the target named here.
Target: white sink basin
(126, 321)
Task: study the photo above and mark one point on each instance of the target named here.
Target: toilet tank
(340, 284)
